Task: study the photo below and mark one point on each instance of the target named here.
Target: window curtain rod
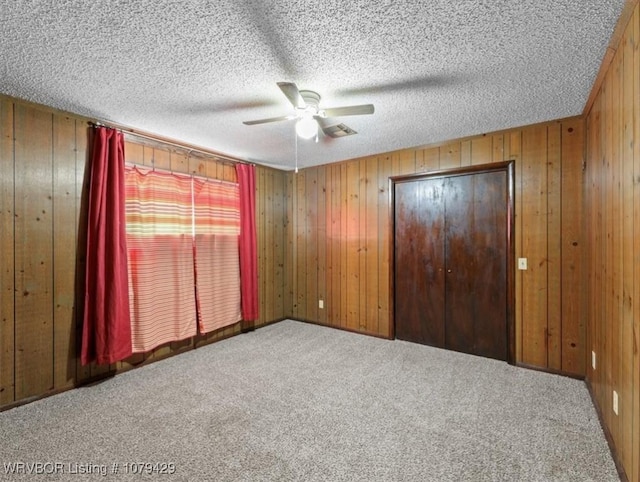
(131, 132)
(192, 175)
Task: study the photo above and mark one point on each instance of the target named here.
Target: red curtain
(106, 334)
(248, 250)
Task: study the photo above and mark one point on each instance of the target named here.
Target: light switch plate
(321, 304)
(522, 263)
(615, 402)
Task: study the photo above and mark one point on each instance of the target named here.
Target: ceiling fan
(311, 116)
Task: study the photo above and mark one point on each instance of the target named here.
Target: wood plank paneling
(385, 327)
(404, 162)
(590, 231)
(450, 156)
(616, 234)
(147, 156)
(353, 245)
(84, 138)
(272, 194)
(598, 247)
(362, 245)
(7, 244)
(612, 263)
(371, 247)
(465, 153)
(279, 262)
(548, 176)
(594, 234)
(162, 159)
(43, 193)
(344, 224)
(335, 294)
(33, 252)
(310, 217)
(327, 283)
(270, 262)
(481, 150)
(178, 162)
(498, 149)
(607, 254)
(534, 246)
(300, 306)
(321, 229)
(230, 173)
(262, 243)
(419, 160)
(626, 278)
(64, 249)
(572, 274)
(635, 102)
(514, 154)
(133, 153)
(430, 162)
(554, 262)
(290, 249)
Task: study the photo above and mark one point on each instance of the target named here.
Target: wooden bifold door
(452, 260)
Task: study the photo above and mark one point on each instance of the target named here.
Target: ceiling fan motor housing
(312, 99)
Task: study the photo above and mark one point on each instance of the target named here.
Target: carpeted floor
(294, 401)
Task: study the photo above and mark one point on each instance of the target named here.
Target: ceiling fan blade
(270, 119)
(363, 109)
(290, 90)
(338, 130)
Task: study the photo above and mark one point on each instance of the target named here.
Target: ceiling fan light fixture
(307, 127)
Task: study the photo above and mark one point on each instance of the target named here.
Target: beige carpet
(294, 401)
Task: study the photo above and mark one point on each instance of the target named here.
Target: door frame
(509, 168)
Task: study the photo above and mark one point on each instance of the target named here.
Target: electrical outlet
(522, 263)
(321, 304)
(593, 360)
(615, 402)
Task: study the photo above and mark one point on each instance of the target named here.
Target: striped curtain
(217, 228)
(160, 253)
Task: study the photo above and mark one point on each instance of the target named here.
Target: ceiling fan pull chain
(296, 142)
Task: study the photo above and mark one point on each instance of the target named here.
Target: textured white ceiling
(194, 70)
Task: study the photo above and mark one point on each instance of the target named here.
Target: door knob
(448, 271)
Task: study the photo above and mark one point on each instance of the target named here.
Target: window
(182, 243)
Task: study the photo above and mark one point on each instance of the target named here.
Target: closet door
(475, 260)
(451, 248)
(419, 261)
(491, 247)
(459, 264)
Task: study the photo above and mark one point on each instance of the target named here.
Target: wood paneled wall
(339, 237)
(612, 264)
(43, 155)
(271, 211)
